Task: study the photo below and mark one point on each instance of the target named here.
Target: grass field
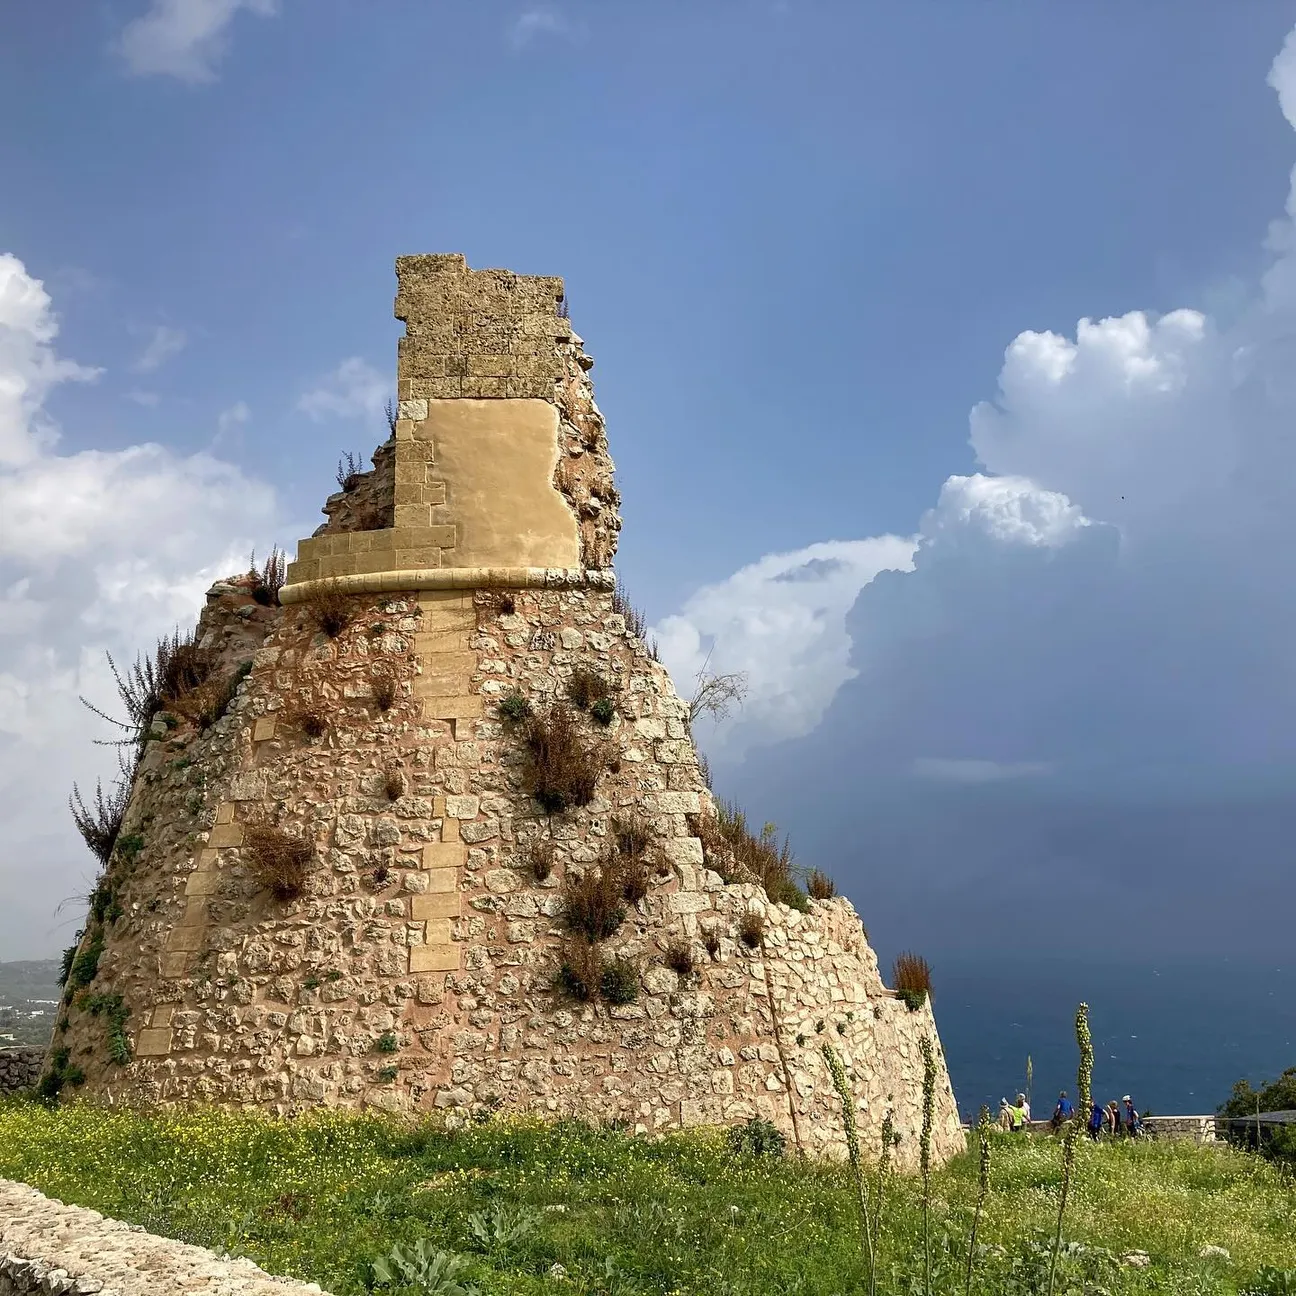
(568, 1208)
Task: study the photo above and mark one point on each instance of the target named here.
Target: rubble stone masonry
(418, 971)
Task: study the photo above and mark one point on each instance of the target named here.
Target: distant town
(29, 1000)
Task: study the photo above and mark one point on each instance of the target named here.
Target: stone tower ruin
(429, 831)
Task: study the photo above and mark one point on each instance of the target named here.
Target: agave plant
(438, 1273)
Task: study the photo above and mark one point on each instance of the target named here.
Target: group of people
(1110, 1120)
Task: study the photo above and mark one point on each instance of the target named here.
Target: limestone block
(153, 1043)
(225, 813)
(465, 707)
(433, 958)
(444, 857)
(438, 931)
(186, 939)
(462, 807)
(435, 904)
(174, 964)
(202, 883)
(230, 834)
(264, 729)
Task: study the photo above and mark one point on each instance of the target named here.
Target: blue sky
(798, 239)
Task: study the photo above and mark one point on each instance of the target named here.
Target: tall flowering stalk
(1084, 1090)
(838, 1073)
(983, 1188)
(924, 1149)
(883, 1174)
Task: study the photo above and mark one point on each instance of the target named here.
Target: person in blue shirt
(1097, 1119)
(1133, 1121)
(1062, 1112)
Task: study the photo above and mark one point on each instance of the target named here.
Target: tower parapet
(485, 379)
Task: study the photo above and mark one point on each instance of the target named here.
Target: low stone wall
(1190, 1129)
(20, 1068)
(48, 1249)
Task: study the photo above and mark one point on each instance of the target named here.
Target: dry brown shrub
(716, 851)
(182, 667)
(585, 688)
(711, 942)
(332, 607)
(679, 957)
(268, 579)
(635, 620)
(594, 902)
(540, 859)
(562, 770)
(581, 970)
(820, 885)
(731, 849)
(911, 975)
(384, 686)
(309, 718)
(280, 860)
(500, 602)
(633, 837)
(751, 927)
(394, 782)
(634, 878)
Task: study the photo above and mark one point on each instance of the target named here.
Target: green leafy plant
(619, 983)
(85, 964)
(115, 1014)
(388, 1074)
(59, 1071)
(434, 1273)
(387, 1042)
(603, 710)
(502, 1228)
(757, 1138)
(514, 707)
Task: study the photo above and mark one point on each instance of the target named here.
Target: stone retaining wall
(20, 1068)
(49, 1249)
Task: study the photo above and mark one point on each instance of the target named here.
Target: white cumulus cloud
(99, 551)
(355, 389)
(185, 39)
(164, 342)
(780, 621)
(1111, 589)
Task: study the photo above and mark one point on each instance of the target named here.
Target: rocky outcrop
(49, 1249)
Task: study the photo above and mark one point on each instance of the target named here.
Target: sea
(1173, 1034)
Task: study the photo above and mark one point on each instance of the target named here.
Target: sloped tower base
(346, 891)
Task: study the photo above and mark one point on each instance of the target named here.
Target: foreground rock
(48, 1249)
